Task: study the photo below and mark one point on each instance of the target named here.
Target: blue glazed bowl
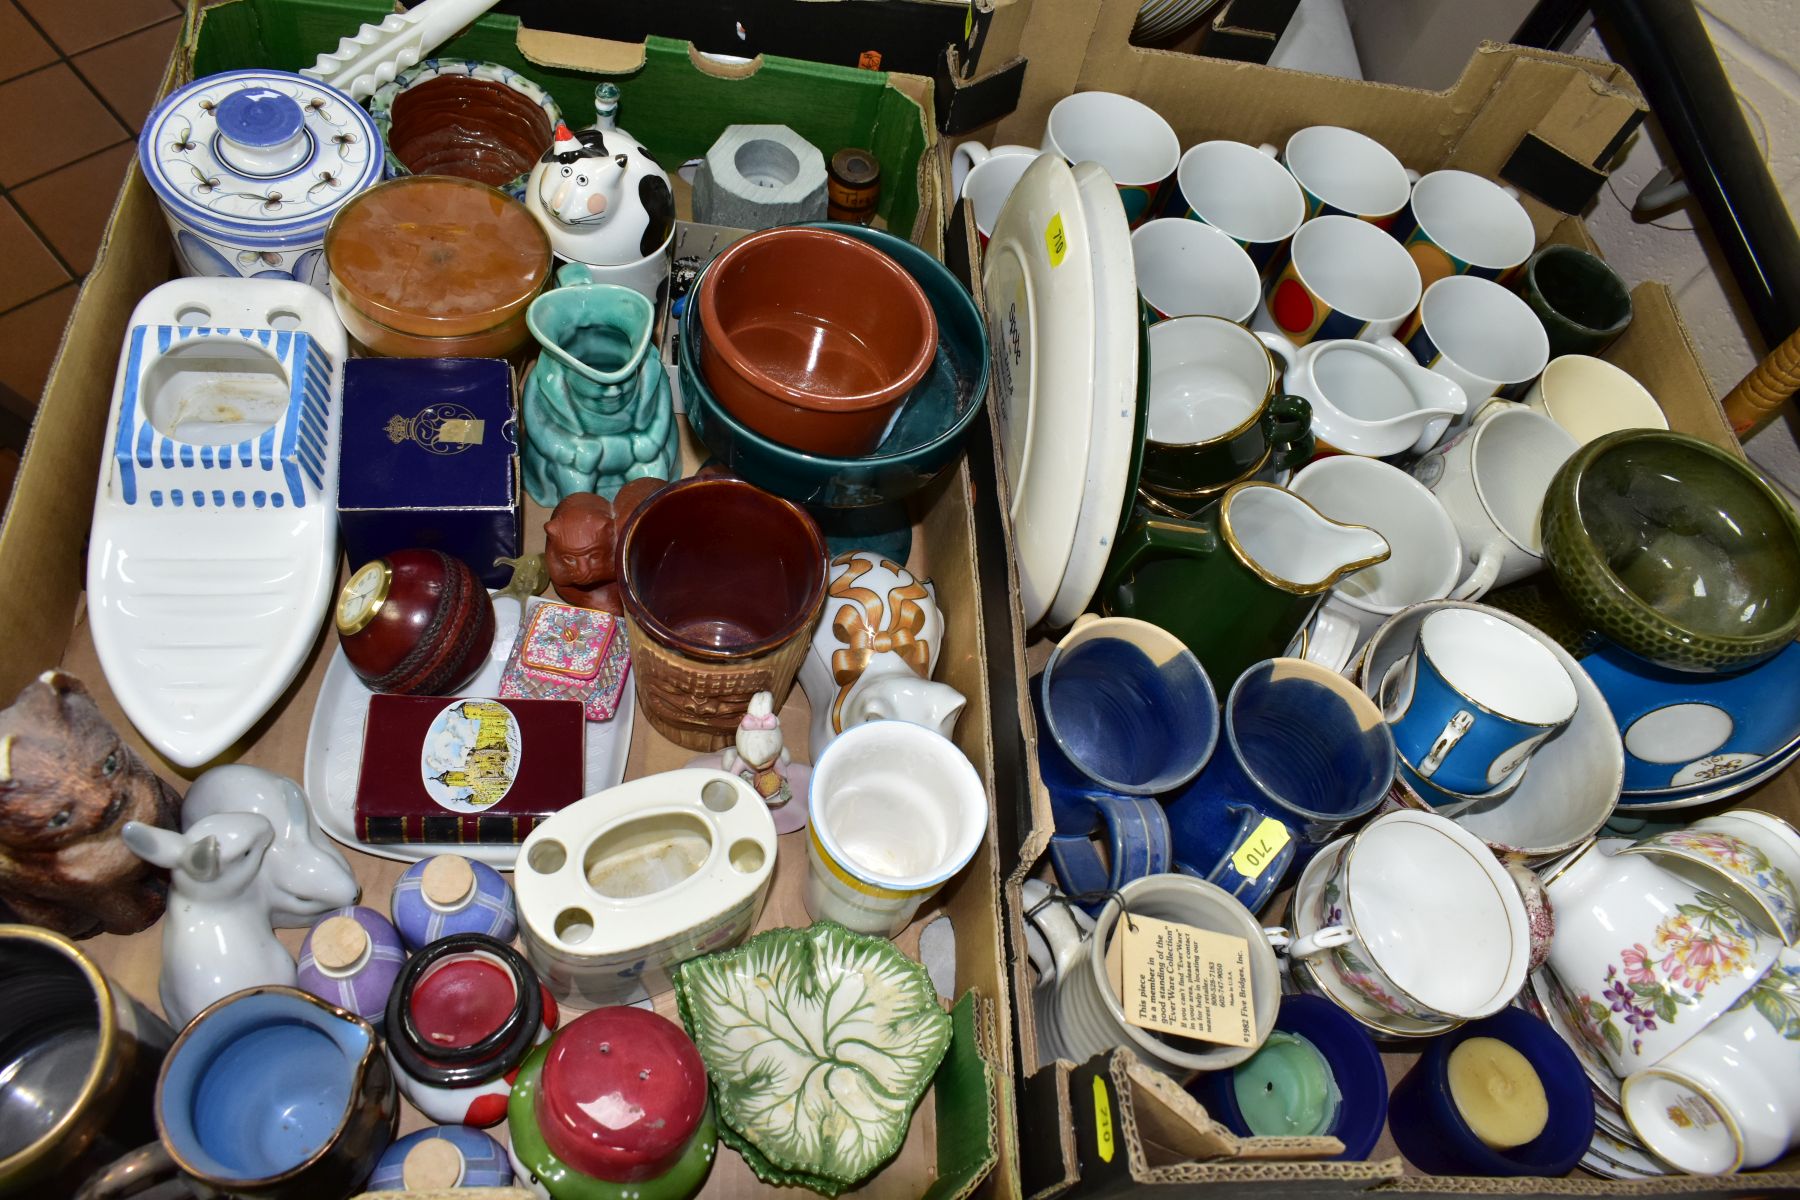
(1355, 1065)
(1433, 1136)
(926, 436)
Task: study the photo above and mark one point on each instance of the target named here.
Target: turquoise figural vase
(597, 406)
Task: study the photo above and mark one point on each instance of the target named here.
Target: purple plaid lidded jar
(351, 958)
(450, 894)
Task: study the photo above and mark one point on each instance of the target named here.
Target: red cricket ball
(417, 623)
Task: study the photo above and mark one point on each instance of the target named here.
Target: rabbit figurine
(304, 875)
(216, 934)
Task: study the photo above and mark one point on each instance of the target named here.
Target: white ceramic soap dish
(214, 543)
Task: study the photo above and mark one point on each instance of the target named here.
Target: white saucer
(334, 749)
(1039, 280)
(1114, 397)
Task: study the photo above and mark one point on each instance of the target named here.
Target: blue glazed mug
(1124, 713)
(1472, 702)
(1431, 1132)
(1304, 752)
(270, 1093)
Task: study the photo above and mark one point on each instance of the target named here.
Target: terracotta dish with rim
(813, 338)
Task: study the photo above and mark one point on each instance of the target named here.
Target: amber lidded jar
(431, 266)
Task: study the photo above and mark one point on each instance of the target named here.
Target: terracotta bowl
(721, 584)
(813, 338)
(1675, 549)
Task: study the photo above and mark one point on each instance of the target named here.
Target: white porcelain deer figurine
(216, 934)
(304, 875)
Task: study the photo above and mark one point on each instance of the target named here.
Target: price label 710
(1262, 847)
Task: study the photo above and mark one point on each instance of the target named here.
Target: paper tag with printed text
(1182, 980)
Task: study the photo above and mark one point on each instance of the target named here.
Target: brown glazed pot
(813, 338)
(92, 1055)
(722, 584)
(479, 129)
(416, 623)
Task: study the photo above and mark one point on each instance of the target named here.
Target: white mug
(1492, 480)
(969, 155)
(1344, 279)
(1462, 224)
(1425, 558)
(1186, 269)
(1129, 139)
(1477, 333)
(1729, 1099)
(988, 185)
(1591, 398)
(895, 811)
(1242, 191)
(1345, 172)
(1078, 1012)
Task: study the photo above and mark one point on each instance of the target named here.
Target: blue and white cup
(1304, 752)
(1472, 702)
(1242, 191)
(1125, 713)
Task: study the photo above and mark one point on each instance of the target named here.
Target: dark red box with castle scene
(467, 769)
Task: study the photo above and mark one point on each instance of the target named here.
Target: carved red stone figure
(580, 538)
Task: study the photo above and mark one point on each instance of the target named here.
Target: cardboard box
(1548, 123)
(961, 1134)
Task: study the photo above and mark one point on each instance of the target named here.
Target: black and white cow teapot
(599, 195)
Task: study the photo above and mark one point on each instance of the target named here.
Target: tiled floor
(94, 66)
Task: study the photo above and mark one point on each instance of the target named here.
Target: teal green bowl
(926, 436)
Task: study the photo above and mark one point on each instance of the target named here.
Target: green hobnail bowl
(1675, 549)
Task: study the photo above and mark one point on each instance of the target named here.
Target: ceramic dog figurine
(67, 782)
(303, 875)
(599, 195)
(217, 938)
(580, 538)
(874, 651)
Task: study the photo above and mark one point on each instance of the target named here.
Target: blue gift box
(430, 458)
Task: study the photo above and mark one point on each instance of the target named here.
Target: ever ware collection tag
(1178, 979)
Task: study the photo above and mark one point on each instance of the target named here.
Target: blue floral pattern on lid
(255, 154)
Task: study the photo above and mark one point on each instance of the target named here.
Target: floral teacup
(1730, 1099)
(1440, 931)
(1647, 958)
(1760, 889)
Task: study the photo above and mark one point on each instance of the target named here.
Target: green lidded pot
(1675, 549)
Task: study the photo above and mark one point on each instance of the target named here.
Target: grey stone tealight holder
(759, 176)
